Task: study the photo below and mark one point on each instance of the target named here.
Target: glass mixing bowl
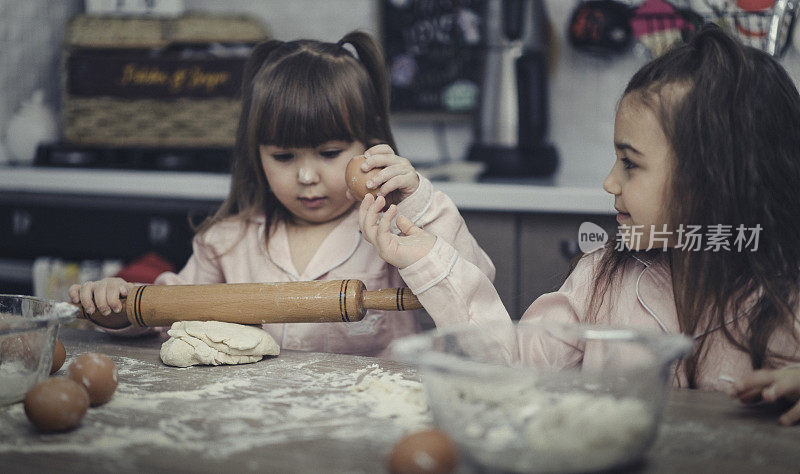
(28, 330)
(584, 398)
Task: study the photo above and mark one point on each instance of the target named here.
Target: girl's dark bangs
(299, 110)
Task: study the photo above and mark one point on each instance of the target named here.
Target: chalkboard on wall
(434, 53)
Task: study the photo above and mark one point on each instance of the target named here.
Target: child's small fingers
(383, 148)
(406, 226)
(386, 220)
(752, 395)
(384, 160)
(371, 219)
(376, 207)
(383, 175)
(101, 298)
(363, 209)
(757, 379)
(790, 417)
(74, 293)
(782, 388)
(112, 297)
(131, 287)
(398, 182)
(86, 297)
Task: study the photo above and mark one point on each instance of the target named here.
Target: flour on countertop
(235, 410)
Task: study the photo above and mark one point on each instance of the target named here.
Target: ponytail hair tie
(347, 46)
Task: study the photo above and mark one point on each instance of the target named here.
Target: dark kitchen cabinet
(93, 227)
(531, 251)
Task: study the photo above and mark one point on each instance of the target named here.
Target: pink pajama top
(454, 291)
(235, 251)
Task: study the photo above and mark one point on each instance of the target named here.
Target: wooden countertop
(312, 412)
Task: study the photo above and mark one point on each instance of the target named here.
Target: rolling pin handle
(391, 299)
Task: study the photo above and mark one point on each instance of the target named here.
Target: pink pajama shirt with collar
(454, 291)
(235, 251)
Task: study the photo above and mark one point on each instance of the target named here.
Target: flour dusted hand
(215, 343)
(102, 295)
(399, 250)
(397, 174)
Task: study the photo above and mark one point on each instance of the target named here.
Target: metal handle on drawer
(21, 221)
(570, 248)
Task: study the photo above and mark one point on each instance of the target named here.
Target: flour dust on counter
(228, 410)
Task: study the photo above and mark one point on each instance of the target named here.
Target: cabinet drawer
(496, 233)
(548, 242)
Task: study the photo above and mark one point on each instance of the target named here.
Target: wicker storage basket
(155, 82)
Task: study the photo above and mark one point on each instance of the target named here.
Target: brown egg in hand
(97, 373)
(357, 179)
(59, 355)
(425, 452)
(56, 404)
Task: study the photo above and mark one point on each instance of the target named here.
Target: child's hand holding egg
(380, 172)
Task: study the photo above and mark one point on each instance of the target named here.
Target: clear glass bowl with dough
(28, 330)
(586, 398)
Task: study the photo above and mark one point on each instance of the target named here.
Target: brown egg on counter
(424, 452)
(59, 356)
(98, 375)
(56, 404)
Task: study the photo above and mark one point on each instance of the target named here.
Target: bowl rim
(412, 349)
(62, 312)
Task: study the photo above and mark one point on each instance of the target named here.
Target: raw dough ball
(59, 355)
(425, 452)
(97, 374)
(56, 404)
(216, 343)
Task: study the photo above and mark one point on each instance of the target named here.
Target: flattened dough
(215, 343)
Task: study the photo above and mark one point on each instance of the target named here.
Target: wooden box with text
(139, 81)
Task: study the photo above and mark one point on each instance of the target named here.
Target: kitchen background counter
(506, 196)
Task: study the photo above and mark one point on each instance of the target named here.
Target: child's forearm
(456, 292)
(436, 213)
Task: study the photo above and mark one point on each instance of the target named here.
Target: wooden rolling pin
(254, 303)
